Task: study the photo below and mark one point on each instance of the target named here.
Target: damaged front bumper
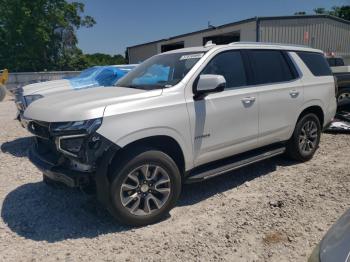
(59, 173)
(51, 154)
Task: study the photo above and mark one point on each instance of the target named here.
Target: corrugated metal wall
(323, 33)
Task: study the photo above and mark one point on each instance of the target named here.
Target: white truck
(181, 117)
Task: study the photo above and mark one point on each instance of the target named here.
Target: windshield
(161, 71)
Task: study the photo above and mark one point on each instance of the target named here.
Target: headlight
(86, 126)
(31, 98)
(70, 145)
(72, 137)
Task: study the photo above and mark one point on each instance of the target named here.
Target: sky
(126, 23)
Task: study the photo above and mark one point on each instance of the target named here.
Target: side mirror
(209, 84)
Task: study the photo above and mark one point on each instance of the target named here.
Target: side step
(233, 163)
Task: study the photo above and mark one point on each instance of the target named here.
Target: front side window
(270, 66)
(161, 71)
(230, 65)
(316, 62)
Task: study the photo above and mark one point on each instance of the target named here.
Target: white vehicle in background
(183, 116)
(97, 76)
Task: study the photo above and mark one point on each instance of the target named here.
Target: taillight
(335, 86)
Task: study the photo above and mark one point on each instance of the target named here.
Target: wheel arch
(315, 109)
(164, 143)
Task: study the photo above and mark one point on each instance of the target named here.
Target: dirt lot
(275, 210)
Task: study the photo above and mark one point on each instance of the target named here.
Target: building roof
(246, 21)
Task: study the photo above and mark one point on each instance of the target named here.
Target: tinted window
(316, 63)
(270, 66)
(229, 65)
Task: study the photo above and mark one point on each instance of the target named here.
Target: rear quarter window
(316, 63)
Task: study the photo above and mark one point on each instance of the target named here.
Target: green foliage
(339, 11)
(40, 35)
(103, 59)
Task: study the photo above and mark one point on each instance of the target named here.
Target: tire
(2, 93)
(130, 191)
(307, 132)
(343, 97)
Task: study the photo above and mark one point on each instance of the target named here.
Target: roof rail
(269, 43)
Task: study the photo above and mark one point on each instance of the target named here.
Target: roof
(247, 21)
(192, 49)
(247, 45)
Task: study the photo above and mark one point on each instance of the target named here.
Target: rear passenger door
(280, 93)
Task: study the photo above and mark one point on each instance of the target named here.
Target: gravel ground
(275, 210)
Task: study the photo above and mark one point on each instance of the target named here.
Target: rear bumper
(58, 173)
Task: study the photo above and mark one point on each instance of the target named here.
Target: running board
(236, 163)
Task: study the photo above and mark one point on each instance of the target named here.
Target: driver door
(225, 123)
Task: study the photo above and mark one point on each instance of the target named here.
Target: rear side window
(230, 65)
(316, 63)
(270, 66)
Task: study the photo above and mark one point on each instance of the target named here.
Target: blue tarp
(100, 76)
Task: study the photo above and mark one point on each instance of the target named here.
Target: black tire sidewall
(148, 157)
(300, 124)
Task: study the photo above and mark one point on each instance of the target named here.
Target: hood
(49, 87)
(83, 104)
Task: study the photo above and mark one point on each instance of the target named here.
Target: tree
(41, 34)
(338, 11)
(104, 59)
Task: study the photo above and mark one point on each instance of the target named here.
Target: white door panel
(225, 124)
(278, 106)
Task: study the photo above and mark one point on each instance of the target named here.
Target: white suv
(180, 117)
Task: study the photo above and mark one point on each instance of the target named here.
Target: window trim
(226, 88)
(289, 61)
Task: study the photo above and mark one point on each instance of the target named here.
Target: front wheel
(305, 139)
(145, 188)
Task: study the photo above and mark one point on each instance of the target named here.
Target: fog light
(70, 145)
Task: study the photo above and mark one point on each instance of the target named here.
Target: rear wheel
(306, 138)
(145, 187)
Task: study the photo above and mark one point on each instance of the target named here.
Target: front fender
(159, 131)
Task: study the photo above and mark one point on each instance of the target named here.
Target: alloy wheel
(308, 137)
(145, 190)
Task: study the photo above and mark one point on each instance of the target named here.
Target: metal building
(328, 33)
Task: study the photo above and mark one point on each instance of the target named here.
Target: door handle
(294, 93)
(248, 100)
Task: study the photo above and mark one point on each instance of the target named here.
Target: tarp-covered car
(97, 76)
